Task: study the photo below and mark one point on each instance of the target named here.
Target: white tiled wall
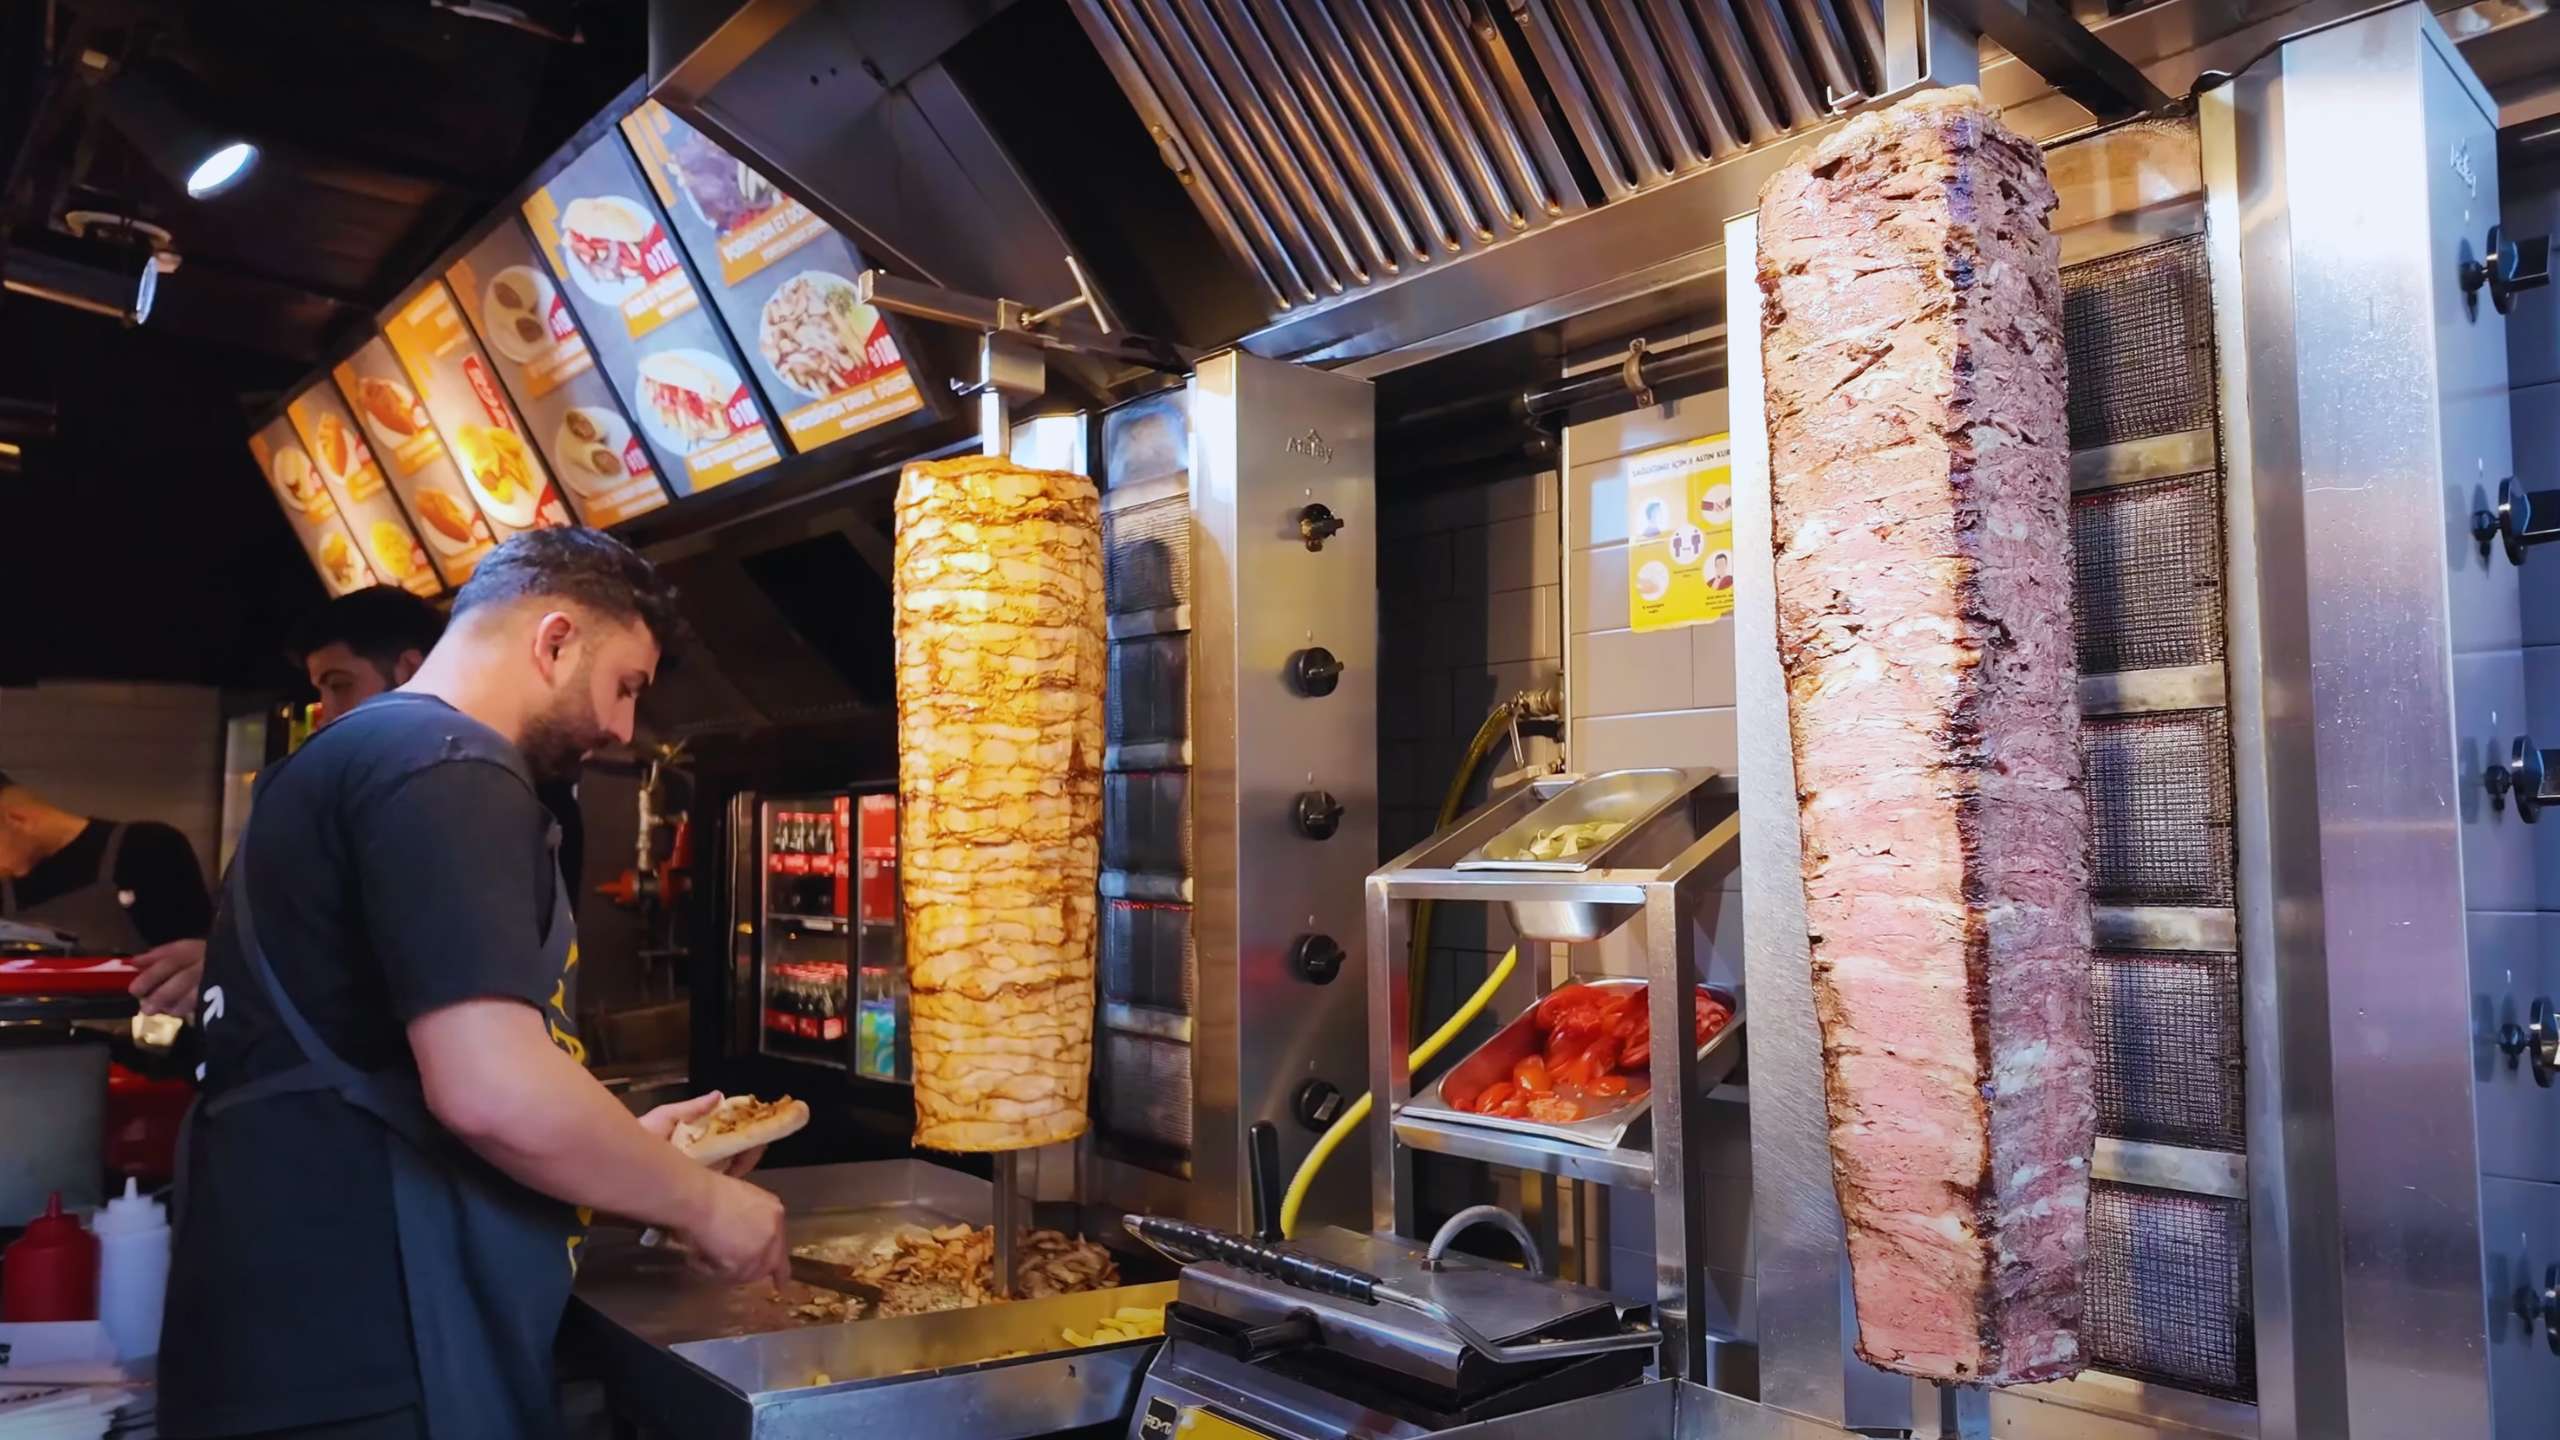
(1470, 611)
(121, 752)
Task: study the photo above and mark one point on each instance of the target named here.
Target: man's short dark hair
(379, 624)
(585, 567)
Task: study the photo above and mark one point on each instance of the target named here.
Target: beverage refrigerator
(817, 931)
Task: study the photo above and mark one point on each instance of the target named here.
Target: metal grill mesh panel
(2168, 1047)
(2159, 788)
(1147, 700)
(2149, 561)
(1145, 1093)
(1146, 822)
(2138, 329)
(2168, 1292)
(1147, 955)
(1146, 556)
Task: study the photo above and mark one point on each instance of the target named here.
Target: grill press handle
(1190, 1243)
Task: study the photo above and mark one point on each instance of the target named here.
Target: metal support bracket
(2065, 52)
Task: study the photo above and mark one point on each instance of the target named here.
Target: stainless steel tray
(1630, 797)
(1607, 1130)
(702, 1360)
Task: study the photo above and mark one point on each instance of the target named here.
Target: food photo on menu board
(534, 345)
(413, 458)
(603, 239)
(460, 392)
(308, 508)
(782, 279)
(355, 481)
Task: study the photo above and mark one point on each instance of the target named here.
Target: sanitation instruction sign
(1680, 533)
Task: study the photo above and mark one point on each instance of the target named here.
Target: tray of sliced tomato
(1578, 1064)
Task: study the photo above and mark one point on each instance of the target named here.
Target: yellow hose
(1417, 967)
(1331, 1139)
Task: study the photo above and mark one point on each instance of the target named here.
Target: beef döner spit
(1919, 458)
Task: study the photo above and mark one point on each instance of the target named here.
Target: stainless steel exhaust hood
(1358, 183)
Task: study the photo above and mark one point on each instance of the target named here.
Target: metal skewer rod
(1008, 1227)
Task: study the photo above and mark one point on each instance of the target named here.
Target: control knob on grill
(2541, 1302)
(2513, 520)
(1315, 671)
(1317, 1105)
(1317, 959)
(2527, 775)
(1317, 523)
(2537, 1042)
(1318, 814)
(2509, 267)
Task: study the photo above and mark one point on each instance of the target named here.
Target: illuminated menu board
(413, 459)
(479, 427)
(307, 506)
(781, 279)
(354, 479)
(532, 341)
(601, 234)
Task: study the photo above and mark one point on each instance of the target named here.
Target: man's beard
(557, 742)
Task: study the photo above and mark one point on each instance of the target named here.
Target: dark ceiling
(141, 533)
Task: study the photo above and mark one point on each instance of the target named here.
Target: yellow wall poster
(1680, 533)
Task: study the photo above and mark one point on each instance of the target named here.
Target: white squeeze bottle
(133, 1270)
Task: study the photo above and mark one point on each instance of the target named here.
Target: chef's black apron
(97, 913)
(486, 1263)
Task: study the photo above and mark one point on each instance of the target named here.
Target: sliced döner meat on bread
(739, 1124)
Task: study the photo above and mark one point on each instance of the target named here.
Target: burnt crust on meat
(1912, 345)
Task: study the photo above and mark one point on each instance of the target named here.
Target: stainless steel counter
(685, 1357)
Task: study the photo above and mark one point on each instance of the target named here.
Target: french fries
(1129, 1322)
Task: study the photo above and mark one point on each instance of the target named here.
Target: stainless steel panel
(1805, 1356)
(2520, 1232)
(2352, 203)
(2284, 987)
(2512, 965)
(1267, 440)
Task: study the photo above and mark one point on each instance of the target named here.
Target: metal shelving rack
(1667, 876)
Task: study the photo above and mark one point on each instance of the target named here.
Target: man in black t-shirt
(398, 1147)
(119, 887)
(357, 646)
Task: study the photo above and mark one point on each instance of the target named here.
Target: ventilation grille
(2149, 558)
(2168, 1047)
(2159, 788)
(2138, 329)
(2168, 1293)
(1338, 144)
(1655, 88)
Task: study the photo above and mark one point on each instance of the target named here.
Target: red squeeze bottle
(50, 1272)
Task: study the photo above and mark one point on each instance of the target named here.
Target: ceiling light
(221, 169)
(201, 158)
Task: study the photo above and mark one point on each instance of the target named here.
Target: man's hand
(662, 1122)
(170, 975)
(738, 1240)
